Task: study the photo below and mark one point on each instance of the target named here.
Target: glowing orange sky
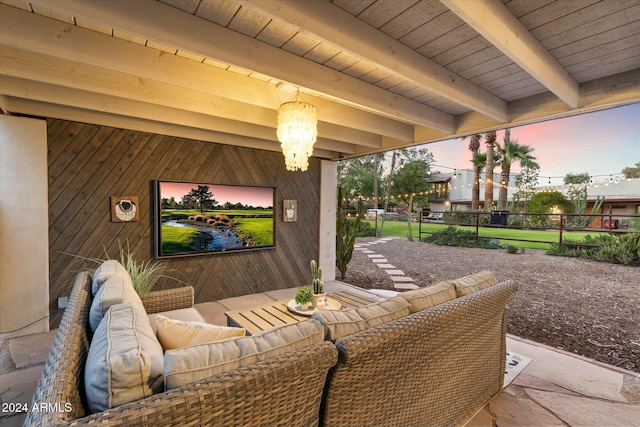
(600, 143)
(252, 196)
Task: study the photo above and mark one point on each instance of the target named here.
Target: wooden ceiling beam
(33, 32)
(158, 22)
(497, 24)
(129, 94)
(91, 101)
(37, 108)
(335, 26)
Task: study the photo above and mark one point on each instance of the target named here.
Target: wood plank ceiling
(383, 74)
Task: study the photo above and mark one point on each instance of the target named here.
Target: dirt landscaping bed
(581, 306)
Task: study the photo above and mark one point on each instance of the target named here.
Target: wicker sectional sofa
(284, 390)
(435, 366)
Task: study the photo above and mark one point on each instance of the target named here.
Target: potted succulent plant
(304, 298)
(319, 296)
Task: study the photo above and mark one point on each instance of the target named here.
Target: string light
(558, 188)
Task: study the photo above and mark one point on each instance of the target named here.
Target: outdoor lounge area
(555, 388)
(136, 124)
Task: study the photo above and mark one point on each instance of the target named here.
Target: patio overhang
(382, 74)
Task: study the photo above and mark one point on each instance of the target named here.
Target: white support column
(24, 227)
(328, 200)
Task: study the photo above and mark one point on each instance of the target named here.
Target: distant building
(621, 197)
(452, 192)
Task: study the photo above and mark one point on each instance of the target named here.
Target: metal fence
(560, 222)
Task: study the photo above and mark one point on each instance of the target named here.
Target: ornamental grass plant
(145, 274)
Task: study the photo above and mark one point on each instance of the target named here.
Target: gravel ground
(581, 306)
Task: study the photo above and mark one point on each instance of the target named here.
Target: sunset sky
(600, 143)
(252, 196)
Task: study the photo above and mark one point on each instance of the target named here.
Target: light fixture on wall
(297, 132)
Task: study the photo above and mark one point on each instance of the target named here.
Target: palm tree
(474, 147)
(490, 140)
(479, 162)
(508, 153)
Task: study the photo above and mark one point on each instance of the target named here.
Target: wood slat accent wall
(89, 163)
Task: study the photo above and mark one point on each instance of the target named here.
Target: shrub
(366, 230)
(512, 249)
(542, 203)
(515, 220)
(451, 236)
(465, 218)
(615, 248)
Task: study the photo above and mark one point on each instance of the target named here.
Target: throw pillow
(474, 282)
(429, 296)
(105, 270)
(190, 314)
(115, 290)
(177, 333)
(125, 359)
(189, 364)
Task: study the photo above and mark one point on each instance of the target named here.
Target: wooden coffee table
(265, 316)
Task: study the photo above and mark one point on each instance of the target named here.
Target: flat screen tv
(199, 218)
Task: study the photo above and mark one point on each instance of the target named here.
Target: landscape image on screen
(210, 218)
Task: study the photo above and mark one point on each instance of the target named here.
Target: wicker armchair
(284, 390)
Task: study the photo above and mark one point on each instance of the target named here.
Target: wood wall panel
(88, 164)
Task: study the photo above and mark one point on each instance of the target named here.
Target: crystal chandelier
(297, 132)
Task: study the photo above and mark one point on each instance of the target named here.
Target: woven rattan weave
(284, 390)
(436, 367)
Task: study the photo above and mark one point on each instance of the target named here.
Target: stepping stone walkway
(400, 281)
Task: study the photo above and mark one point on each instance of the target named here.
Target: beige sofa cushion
(108, 268)
(340, 323)
(429, 296)
(383, 312)
(115, 290)
(125, 359)
(174, 333)
(474, 282)
(189, 364)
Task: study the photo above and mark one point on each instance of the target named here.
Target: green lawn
(260, 228)
(180, 239)
(177, 239)
(397, 228)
